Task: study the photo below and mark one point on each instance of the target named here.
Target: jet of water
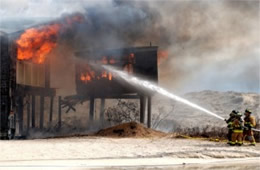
(153, 87)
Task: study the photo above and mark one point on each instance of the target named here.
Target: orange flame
(36, 43)
(89, 74)
(110, 76)
(85, 78)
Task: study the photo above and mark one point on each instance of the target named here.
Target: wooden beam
(102, 109)
(20, 114)
(32, 90)
(91, 108)
(33, 111)
(41, 111)
(51, 108)
(121, 97)
(142, 108)
(59, 112)
(28, 115)
(149, 113)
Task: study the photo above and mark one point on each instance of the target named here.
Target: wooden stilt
(102, 109)
(20, 114)
(91, 108)
(149, 112)
(41, 111)
(33, 111)
(51, 108)
(142, 108)
(59, 112)
(28, 115)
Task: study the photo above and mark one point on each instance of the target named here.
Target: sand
(131, 129)
(107, 152)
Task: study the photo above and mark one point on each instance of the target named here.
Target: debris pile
(130, 129)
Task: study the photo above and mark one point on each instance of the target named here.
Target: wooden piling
(33, 111)
(102, 109)
(51, 108)
(142, 108)
(59, 112)
(41, 111)
(28, 115)
(149, 112)
(91, 108)
(20, 114)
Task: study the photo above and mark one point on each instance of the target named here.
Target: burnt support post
(5, 100)
(149, 112)
(28, 114)
(102, 109)
(41, 111)
(51, 108)
(142, 108)
(91, 108)
(20, 113)
(59, 112)
(33, 111)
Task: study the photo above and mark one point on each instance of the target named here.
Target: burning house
(24, 81)
(26, 84)
(100, 83)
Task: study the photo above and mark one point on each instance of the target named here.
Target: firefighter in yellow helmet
(229, 122)
(237, 134)
(249, 124)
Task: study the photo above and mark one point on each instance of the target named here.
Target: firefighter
(11, 131)
(237, 127)
(229, 121)
(249, 124)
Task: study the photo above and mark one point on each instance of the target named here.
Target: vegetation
(212, 131)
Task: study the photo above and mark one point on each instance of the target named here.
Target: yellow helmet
(248, 111)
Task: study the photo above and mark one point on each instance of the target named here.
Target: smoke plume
(211, 44)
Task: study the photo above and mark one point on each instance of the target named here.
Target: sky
(212, 45)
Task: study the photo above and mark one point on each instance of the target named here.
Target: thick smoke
(211, 44)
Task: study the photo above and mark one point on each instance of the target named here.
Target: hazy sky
(211, 44)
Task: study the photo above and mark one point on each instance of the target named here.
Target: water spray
(153, 87)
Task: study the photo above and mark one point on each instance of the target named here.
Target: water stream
(153, 87)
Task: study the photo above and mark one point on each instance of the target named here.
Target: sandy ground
(99, 152)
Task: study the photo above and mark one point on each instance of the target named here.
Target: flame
(162, 56)
(88, 74)
(110, 76)
(85, 77)
(36, 43)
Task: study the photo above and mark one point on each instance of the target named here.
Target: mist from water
(153, 87)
